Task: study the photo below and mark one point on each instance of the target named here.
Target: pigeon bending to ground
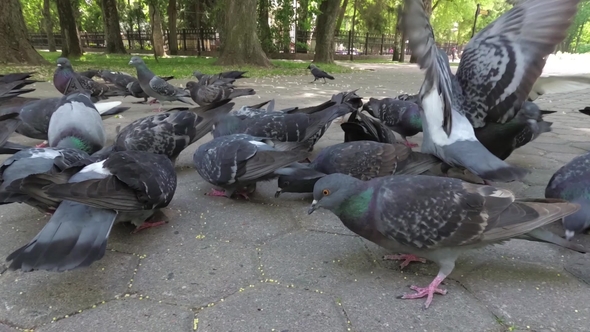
(210, 79)
(66, 80)
(90, 73)
(234, 74)
(128, 186)
(497, 71)
(360, 127)
(237, 162)
(169, 133)
(436, 218)
(363, 160)
(156, 87)
(204, 94)
(572, 183)
(401, 116)
(128, 83)
(318, 73)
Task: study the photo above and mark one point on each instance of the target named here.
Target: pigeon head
(64, 63)
(300, 181)
(198, 74)
(311, 66)
(191, 85)
(225, 125)
(529, 111)
(136, 61)
(332, 190)
(372, 107)
(579, 221)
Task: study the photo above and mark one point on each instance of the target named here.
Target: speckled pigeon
(318, 73)
(206, 94)
(497, 71)
(436, 218)
(361, 127)
(156, 87)
(127, 82)
(237, 162)
(66, 80)
(129, 186)
(403, 117)
(572, 183)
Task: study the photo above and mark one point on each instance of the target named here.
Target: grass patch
(385, 59)
(179, 66)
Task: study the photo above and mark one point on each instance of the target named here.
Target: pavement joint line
(328, 232)
(16, 327)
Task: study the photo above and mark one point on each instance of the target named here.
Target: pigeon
(234, 74)
(361, 127)
(297, 127)
(572, 183)
(436, 218)
(363, 160)
(127, 82)
(156, 87)
(497, 71)
(128, 186)
(8, 124)
(90, 73)
(53, 162)
(586, 110)
(203, 94)
(318, 73)
(237, 162)
(401, 116)
(12, 86)
(66, 80)
(210, 79)
(171, 132)
(76, 124)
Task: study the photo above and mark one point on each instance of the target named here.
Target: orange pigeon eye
(326, 192)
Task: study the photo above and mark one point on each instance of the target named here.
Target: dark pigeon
(90, 73)
(234, 74)
(586, 110)
(498, 68)
(361, 127)
(8, 124)
(204, 94)
(129, 186)
(156, 87)
(210, 79)
(436, 218)
(66, 80)
(403, 117)
(237, 162)
(572, 183)
(127, 82)
(319, 74)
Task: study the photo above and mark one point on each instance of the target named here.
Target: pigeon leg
(148, 224)
(151, 102)
(159, 108)
(407, 259)
(216, 193)
(427, 291)
(324, 80)
(410, 144)
(42, 145)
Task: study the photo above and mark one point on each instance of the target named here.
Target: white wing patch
(97, 168)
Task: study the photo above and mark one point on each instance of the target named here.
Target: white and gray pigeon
(156, 87)
(436, 218)
(129, 186)
(76, 124)
(498, 68)
(572, 183)
(237, 162)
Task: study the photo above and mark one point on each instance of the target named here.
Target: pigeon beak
(278, 193)
(59, 64)
(130, 62)
(312, 207)
(569, 234)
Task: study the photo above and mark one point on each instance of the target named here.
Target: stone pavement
(265, 265)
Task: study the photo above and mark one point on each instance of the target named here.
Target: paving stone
(6, 328)
(269, 307)
(197, 274)
(35, 298)
(130, 315)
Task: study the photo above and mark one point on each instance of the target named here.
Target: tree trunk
(156, 24)
(69, 30)
(48, 23)
(326, 24)
(241, 45)
(302, 26)
(172, 16)
(341, 15)
(112, 29)
(14, 40)
(264, 32)
(428, 10)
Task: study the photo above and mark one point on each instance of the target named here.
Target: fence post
(349, 42)
(128, 39)
(184, 39)
(382, 41)
(366, 43)
(140, 39)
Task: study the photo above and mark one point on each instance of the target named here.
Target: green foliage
(579, 32)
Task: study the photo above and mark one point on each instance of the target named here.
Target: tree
(156, 24)
(48, 23)
(70, 45)
(264, 32)
(14, 40)
(112, 28)
(341, 15)
(326, 23)
(172, 16)
(240, 44)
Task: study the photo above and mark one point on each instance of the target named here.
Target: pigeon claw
(410, 144)
(42, 145)
(148, 224)
(427, 292)
(407, 259)
(216, 193)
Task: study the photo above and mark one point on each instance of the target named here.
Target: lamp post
(475, 20)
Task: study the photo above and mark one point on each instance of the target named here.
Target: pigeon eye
(326, 192)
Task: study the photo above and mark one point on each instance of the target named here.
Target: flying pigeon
(66, 80)
(572, 183)
(156, 87)
(436, 218)
(237, 162)
(497, 71)
(318, 73)
(204, 94)
(171, 132)
(129, 186)
(403, 117)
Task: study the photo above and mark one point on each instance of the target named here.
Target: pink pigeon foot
(147, 225)
(42, 145)
(153, 101)
(410, 144)
(243, 194)
(407, 259)
(216, 193)
(427, 291)
(158, 110)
